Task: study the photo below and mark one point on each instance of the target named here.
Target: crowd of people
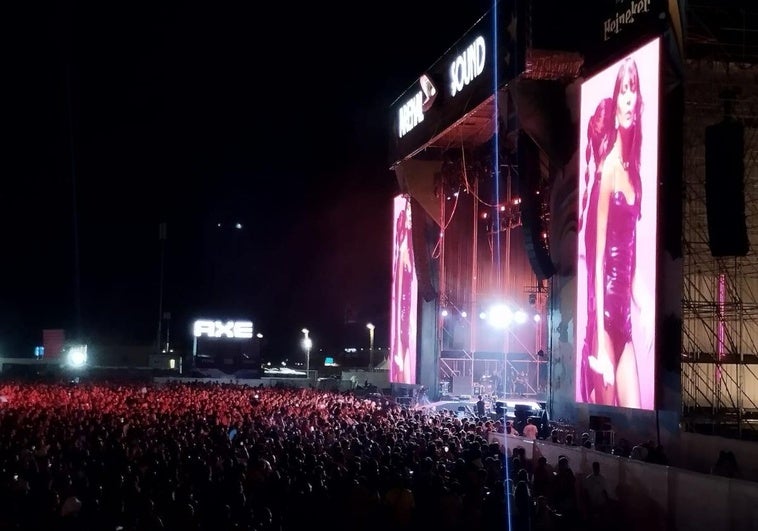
(191, 456)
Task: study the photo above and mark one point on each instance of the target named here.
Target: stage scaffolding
(483, 260)
(719, 359)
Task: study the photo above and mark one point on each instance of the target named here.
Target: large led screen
(617, 239)
(404, 297)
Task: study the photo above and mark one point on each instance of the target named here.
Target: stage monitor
(404, 301)
(617, 232)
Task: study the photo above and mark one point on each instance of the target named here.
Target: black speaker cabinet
(725, 189)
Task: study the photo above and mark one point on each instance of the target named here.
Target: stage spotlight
(537, 318)
(77, 356)
(520, 317)
(500, 316)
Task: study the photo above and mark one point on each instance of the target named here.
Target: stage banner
(604, 31)
(488, 56)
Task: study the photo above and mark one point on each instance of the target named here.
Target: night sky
(125, 116)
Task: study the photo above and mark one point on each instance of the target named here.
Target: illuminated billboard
(225, 345)
(222, 329)
(404, 310)
(617, 233)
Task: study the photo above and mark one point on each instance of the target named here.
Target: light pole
(259, 348)
(307, 344)
(161, 316)
(371, 345)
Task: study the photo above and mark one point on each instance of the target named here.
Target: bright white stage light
(520, 317)
(77, 356)
(500, 316)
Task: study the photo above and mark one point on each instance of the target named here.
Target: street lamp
(371, 345)
(258, 346)
(307, 344)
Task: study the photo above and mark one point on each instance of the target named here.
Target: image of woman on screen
(601, 135)
(614, 209)
(402, 369)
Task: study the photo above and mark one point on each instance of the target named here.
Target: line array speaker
(532, 224)
(725, 189)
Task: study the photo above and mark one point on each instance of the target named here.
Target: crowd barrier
(655, 497)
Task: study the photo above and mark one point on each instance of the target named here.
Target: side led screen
(617, 233)
(404, 297)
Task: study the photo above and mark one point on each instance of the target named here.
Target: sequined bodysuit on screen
(619, 269)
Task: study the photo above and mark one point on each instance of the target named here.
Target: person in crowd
(623, 448)
(523, 496)
(542, 477)
(530, 429)
(545, 518)
(656, 454)
(481, 410)
(726, 465)
(399, 503)
(596, 499)
(639, 452)
(564, 493)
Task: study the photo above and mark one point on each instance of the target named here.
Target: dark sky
(125, 115)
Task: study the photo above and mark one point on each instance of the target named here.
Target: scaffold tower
(719, 359)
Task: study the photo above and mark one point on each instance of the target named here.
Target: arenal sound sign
(223, 329)
(457, 83)
(467, 65)
(463, 69)
(412, 112)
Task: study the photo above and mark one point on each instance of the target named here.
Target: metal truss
(720, 295)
